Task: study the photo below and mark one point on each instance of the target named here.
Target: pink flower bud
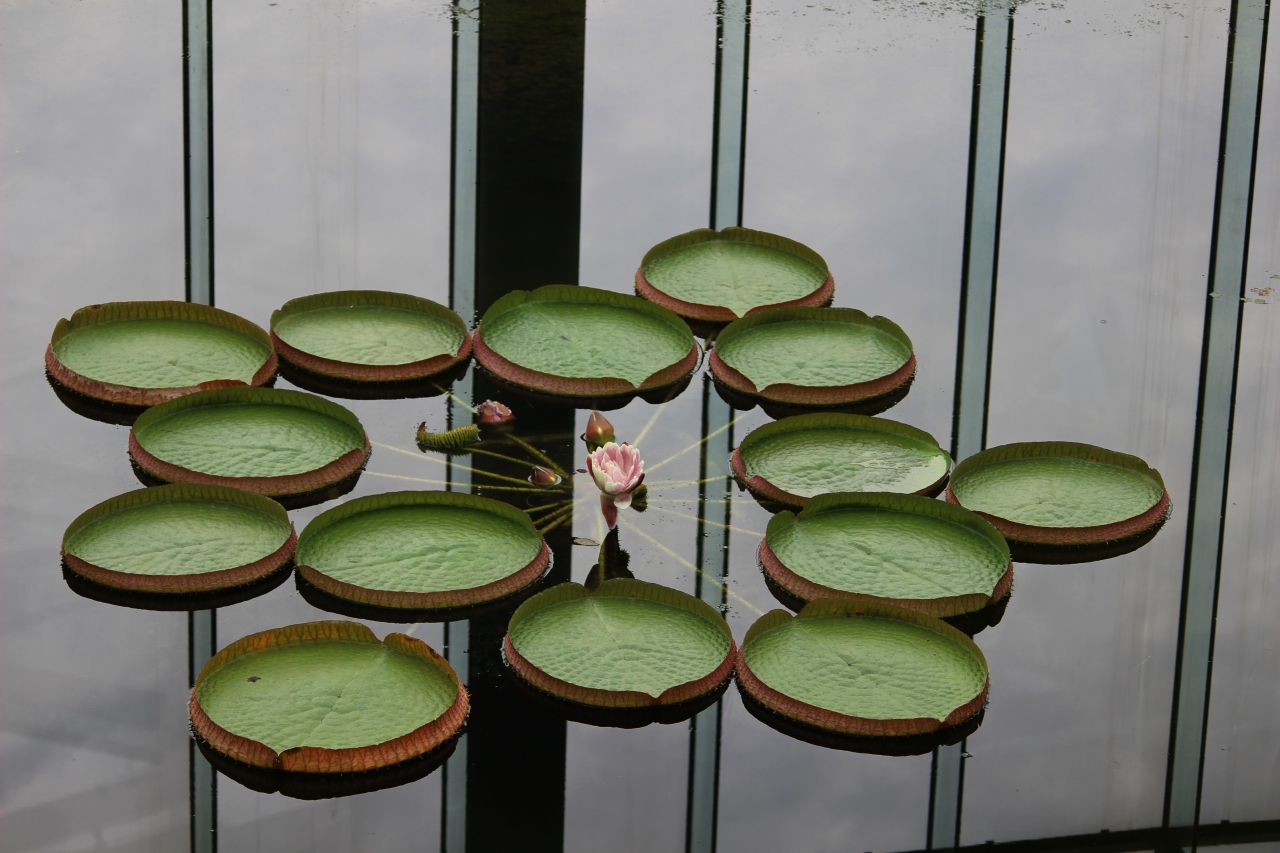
(543, 476)
(599, 430)
(493, 413)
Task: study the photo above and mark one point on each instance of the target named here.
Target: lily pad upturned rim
(355, 372)
(953, 605)
(442, 599)
(181, 584)
(835, 721)
(1099, 534)
(161, 309)
(807, 395)
(601, 698)
(824, 420)
(318, 759)
(708, 313)
(346, 465)
(567, 386)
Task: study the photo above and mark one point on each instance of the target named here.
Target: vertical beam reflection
(1207, 504)
(714, 490)
(197, 138)
(462, 299)
(988, 120)
(507, 788)
(728, 163)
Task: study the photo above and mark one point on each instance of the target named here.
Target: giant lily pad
(710, 276)
(581, 342)
(1058, 501)
(870, 670)
(625, 644)
(904, 550)
(272, 442)
(180, 539)
(422, 550)
(796, 458)
(369, 336)
(815, 357)
(146, 353)
(326, 697)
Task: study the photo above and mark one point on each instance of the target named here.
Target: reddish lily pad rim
(352, 371)
(952, 605)
(273, 487)
(1099, 534)
(618, 588)
(761, 487)
(129, 395)
(706, 312)
(810, 395)
(567, 386)
(834, 721)
(181, 584)
(317, 759)
(442, 599)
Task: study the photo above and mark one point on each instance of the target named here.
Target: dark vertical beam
(197, 109)
(528, 177)
(987, 124)
(1219, 361)
(462, 297)
(515, 780)
(728, 166)
(529, 186)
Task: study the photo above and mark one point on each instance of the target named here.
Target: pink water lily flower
(493, 413)
(618, 470)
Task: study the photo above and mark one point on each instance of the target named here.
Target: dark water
(332, 148)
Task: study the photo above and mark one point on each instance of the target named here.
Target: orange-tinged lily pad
(141, 354)
(326, 698)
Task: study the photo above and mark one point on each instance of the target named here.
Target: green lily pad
(579, 341)
(863, 669)
(719, 276)
(369, 335)
(814, 356)
(624, 644)
(796, 458)
(272, 442)
(326, 697)
(143, 353)
(905, 550)
(422, 550)
(1061, 493)
(179, 538)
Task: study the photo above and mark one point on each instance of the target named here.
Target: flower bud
(599, 430)
(543, 476)
(493, 413)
